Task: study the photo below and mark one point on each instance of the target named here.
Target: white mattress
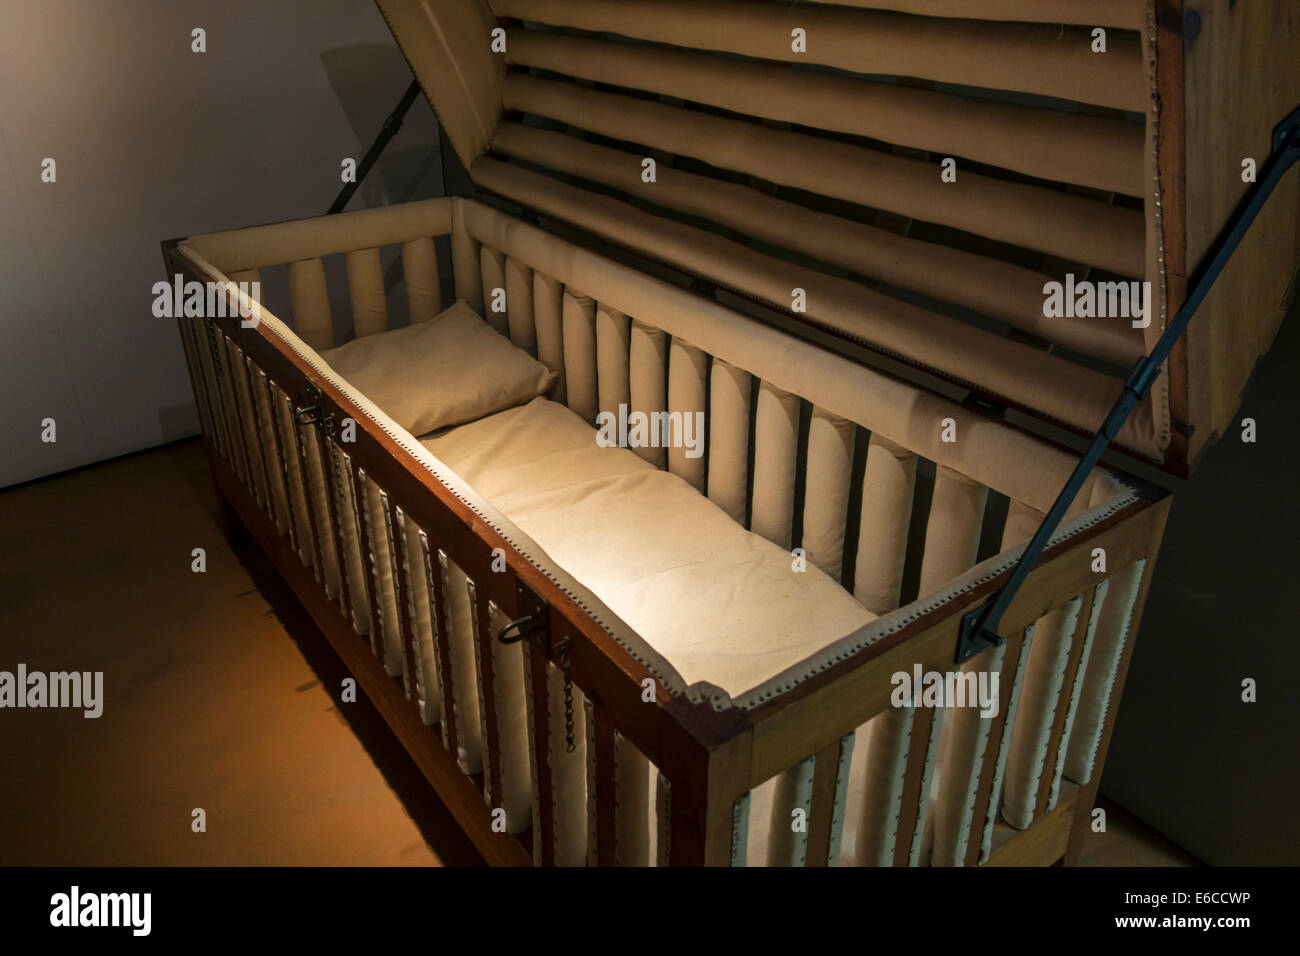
(722, 604)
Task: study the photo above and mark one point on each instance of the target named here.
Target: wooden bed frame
(710, 755)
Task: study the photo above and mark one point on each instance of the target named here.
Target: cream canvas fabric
(720, 603)
(443, 372)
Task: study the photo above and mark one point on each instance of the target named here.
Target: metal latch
(532, 622)
(309, 414)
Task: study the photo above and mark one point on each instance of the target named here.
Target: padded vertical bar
(952, 535)
(830, 800)
(387, 641)
(1075, 677)
(602, 801)
(887, 488)
(888, 743)
(365, 606)
(579, 322)
(631, 804)
(776, 449)
(787, 842)
(395, 626)
(250, 276)
(366, 290)
(287, 434)
(519, 305)
(492, 268)
(664, 819)
(355, 561)
(238, 369)
(189, 337)
(826, 490)
(568, 771)
(989, 796)
(1041, 691)
(271, 449)
(1099, 677)
(405, 601)
(613, 329)
(728, 478)
(918, 796)
(420, 273)
(480, 638)
(548, 316)
(952, 538)
(466, 274)
(740, 829)
(648, 390)
(463, 684)
(688, 370)
(423, 659)
(441, 654)
(505, 693)
(230, 408)
(311, 488)
(963, 765)
(207, 374)
(310, 301)
(330, 473)
(539, 730)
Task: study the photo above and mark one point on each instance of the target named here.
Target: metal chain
(212, 345)
(569, 743)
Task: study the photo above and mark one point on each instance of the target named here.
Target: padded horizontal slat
(1029, 58)
(272, 244)
(1035, 217)
(1125, 14)
(992, 287)
(1070, 147)
(1070, 393)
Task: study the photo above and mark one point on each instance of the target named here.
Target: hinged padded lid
(898, 176)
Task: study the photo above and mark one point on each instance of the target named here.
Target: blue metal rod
(979, 628)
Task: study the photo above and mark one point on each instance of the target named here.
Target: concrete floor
(218, 693)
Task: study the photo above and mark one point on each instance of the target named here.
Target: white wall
(153, 141)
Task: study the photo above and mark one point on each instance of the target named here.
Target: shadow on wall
(1212, 772)
(410, 168)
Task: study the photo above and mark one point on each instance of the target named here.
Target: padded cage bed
(682, 569)
(727, 217)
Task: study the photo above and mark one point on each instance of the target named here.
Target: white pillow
(452, 369)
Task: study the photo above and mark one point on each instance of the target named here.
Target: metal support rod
(979, 628)
(386, 133)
